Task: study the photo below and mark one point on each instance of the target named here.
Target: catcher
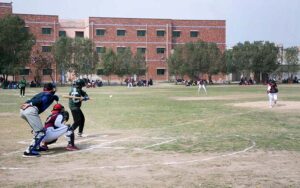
(55, 127)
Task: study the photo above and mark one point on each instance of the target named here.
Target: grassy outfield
(211, 124)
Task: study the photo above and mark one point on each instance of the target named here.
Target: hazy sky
(246, 20)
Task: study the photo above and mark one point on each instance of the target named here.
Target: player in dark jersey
(75, 104)
(56, 126)
(30, 111)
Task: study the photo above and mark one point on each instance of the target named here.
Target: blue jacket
(42, 100)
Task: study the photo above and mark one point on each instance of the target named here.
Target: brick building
(154, 37)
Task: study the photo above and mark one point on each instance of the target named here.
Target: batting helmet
(58, 107)
(79, 83)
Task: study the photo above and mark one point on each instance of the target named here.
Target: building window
(100, 49)
(160, 72)
(160, 33)
(121, 32)
(46, 31)
(26, 29)
(160, 50)
(62, 34)
(141, 50)
(176, 34)
(46, 48)
(47, 71)
(141, 33)
(100, 32)
(122, 49)
(194, 33)
(100, 72)
(79, 34)
(24, 72)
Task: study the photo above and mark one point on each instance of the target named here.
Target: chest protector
(50, 121)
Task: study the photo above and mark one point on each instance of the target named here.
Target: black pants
(22, 91)
(78, 118)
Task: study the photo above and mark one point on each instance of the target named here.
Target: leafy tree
(123, 63)
(63, 53)
(138, 65)
(109, 60)
(292, 61)
(196, 59)
(42, 61)
(257, 57)
(15, 45)
(85, 58)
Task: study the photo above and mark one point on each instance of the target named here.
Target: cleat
(72, 148)
(31, 154)
(42, 148)
(81, 135)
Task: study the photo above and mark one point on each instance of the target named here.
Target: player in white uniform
(272, 91)
(201, 84)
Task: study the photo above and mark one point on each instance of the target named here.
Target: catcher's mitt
(66, 116)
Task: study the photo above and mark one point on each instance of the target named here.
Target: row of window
(141, 50)
(122, 32)
(102, 49)
(142, 33)
(25, 72)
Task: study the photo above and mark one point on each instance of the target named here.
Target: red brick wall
(5, 8)
(35, 23)
(209, 31)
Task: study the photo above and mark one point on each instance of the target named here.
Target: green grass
(197, 126)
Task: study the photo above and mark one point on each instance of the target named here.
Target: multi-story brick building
(156, 38)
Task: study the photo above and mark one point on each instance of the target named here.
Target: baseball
(110, 96)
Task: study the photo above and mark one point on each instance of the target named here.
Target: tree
(108, 60)
(15, 45)
(85, 57)
(42, 62)
(196, 59)
(138, 65)
(292, 61)
(258, 57)
(123, 63)
(63, 53)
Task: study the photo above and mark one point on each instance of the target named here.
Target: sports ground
(162, 136)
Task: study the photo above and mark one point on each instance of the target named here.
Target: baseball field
(162, 136)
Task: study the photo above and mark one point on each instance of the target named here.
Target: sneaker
(31, 154)
(81, 135)
(72, 148)
(42, 148)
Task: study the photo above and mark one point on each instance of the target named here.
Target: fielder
(77, 96)
(30, 111)
(272, 91)
(201, 84)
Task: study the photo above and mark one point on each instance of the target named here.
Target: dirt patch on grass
(203, 97)
(280, 106)
(6, 114)
(101, 163)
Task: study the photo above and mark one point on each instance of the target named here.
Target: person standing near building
(22, 86)
(30, 111)
(201, 84)
(272, 91)
(77, 95)
(56, 126)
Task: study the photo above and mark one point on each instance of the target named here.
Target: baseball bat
(73, 97)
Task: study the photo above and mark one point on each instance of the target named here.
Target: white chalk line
(153, 164)
(157, 144)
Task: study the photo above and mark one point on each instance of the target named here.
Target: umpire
(75, 104)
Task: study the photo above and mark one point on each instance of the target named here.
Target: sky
(276, 21)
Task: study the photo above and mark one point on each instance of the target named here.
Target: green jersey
(76, 92)
(22, 83)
